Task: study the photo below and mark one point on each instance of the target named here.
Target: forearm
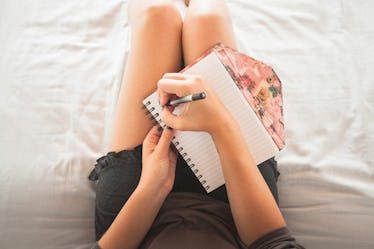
(254, 209)
(134, 220)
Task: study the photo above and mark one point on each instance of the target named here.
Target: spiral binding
(192, 165)
(156, 116)
(153, 116)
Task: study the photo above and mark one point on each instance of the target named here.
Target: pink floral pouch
(260, 86)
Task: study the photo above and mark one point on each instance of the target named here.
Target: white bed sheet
(61, 64)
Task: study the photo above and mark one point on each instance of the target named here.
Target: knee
(205, 18)
(160, 13)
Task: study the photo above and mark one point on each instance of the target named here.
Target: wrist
(224, 127)
(155, 193)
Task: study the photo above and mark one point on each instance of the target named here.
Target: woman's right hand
(207, 115)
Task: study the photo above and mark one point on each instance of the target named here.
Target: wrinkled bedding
(61, 64)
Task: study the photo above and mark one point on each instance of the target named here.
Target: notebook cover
(260, 86)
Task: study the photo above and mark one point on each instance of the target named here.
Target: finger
(177, 76)
(151, 140)
(170, 119)
(172, 162)
(163, 96)
(180, 76)
(166, 87)
(165, 91)
(172, 156)
(173, 86)
(163, 145)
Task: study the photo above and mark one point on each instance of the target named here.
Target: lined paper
(198, 146)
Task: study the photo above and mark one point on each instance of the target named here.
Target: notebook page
(201, 149)
(197, 148)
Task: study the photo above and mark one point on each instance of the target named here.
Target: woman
(146, 197)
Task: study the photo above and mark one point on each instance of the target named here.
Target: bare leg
(156, 28)
(207, 22)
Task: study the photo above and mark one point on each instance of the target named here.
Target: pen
(187, 98)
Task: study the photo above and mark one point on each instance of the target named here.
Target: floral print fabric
(260, 86)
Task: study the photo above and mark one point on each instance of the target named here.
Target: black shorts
(118, 175)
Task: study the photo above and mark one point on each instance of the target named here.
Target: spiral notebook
(251, 91)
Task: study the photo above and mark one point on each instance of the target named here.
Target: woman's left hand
(158, 170)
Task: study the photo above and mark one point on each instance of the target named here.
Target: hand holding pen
(195, 115)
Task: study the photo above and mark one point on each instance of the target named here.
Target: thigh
(118, 175)
(155, 49)
(207, 22)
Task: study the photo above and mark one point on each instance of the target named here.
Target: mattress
(61, 65)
